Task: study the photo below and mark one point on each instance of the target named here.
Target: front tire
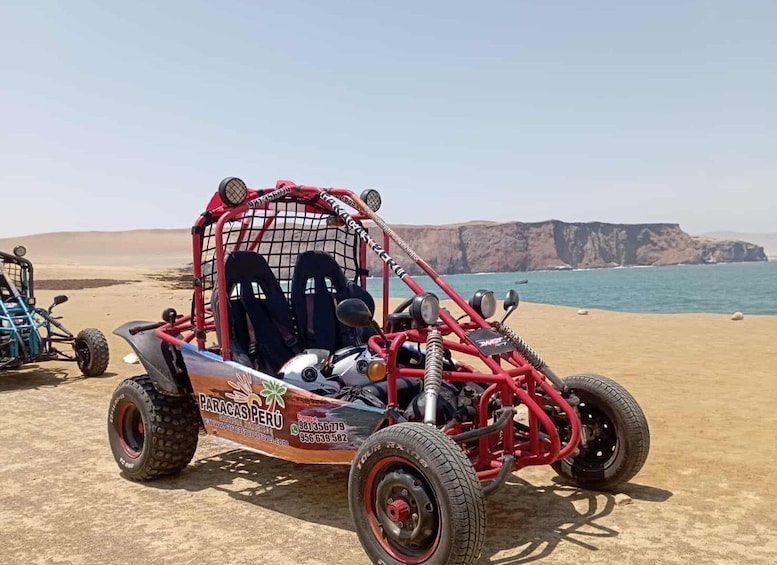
(415, 498)
(151, 434)
(617, 432)
(91, 349)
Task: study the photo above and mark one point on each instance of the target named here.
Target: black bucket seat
(261, 326)
(317, 286)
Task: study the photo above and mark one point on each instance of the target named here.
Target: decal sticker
(264, 199)
(490, 342)
(312, 430)
(365, 236)
(259, 413)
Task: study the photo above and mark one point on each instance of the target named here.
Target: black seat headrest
(248, 265)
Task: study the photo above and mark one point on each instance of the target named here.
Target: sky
(124, 115)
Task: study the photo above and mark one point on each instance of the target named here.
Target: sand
(706, 495)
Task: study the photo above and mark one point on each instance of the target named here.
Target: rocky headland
(517, 246)
(472, 247)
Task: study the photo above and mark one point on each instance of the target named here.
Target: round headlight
(484, 303)
(20, 251)
(233, 191)
(372, 199)
(425, 309)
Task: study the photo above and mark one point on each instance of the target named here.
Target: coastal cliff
(518, 246)
(474, 247)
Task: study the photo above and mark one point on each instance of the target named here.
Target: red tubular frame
(518, 380)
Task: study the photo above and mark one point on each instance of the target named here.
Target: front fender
(162, 360)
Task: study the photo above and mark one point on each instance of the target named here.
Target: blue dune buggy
(30, 334)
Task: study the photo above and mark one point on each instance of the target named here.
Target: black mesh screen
(283, 231)
(13, 271)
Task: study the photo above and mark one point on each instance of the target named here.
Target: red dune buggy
(281, 355)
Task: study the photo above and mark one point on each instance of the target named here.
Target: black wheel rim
(602, 444)
(402, 510)
(83, 354)
(131, 430)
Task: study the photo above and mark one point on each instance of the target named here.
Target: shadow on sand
(314, 493)
(527, 521)
(35, 376)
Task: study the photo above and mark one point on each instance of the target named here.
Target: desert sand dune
(706, 494)
(141, 248)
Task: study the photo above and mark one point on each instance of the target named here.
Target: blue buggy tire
(91, 350)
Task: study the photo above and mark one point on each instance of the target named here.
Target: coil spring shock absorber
(537, 362)
(523, 348)
(432, 375)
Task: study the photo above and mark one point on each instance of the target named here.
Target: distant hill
(766, 240)
(156, 248)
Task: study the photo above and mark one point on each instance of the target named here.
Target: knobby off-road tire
(619, 437)
(91, 349)
(415, 498)
(151, 434)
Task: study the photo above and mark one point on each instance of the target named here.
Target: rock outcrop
(518, 246)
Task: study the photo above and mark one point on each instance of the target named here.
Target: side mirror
(58, 299)
(511, 300)
(354, 313)
(511, 303)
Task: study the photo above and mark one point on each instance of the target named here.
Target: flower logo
(243, 390)
(270, 396)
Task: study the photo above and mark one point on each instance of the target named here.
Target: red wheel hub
(131, 430)
(402, 510)
(398, 510)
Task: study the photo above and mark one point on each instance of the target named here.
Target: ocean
(750, 288)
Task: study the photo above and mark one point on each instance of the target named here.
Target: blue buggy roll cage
(21, 322)
(19, 335)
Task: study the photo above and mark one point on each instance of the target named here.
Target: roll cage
(283, 221)
(16, 277)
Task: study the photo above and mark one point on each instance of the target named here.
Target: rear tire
(91, 349)
(151, 434)
(415, 498)
(619, 437)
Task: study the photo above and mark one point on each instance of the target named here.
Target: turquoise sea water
(747, 287)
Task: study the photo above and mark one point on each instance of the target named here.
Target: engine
(455, 401)
(343, 375)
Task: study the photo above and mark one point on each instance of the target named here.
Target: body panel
(273, 416)
(161, 360)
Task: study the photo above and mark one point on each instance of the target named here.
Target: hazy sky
(120, 115)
